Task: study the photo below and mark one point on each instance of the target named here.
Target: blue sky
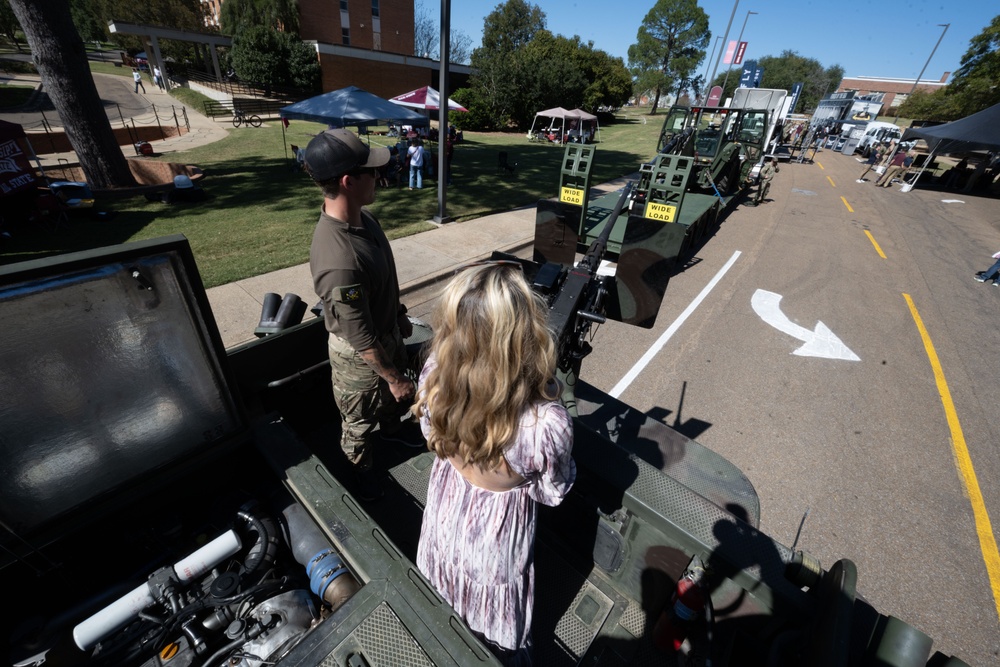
(868, 38)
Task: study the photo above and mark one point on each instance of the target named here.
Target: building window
(346, 36)
(375, 8)
(376, 41)
(898, 99)
(343, 5)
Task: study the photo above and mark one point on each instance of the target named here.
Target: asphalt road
(865, 446)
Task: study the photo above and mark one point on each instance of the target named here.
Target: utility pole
(917, 82)
(724, 38)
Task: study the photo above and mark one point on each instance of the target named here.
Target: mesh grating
(413, 475)
(633, 619)
(384, 641)
(567, 605)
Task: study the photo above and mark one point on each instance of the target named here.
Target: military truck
(170, 502)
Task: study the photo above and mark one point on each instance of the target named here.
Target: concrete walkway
(120, 91)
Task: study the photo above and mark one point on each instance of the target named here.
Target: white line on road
(671, 330)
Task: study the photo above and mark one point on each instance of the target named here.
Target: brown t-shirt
(354, 273)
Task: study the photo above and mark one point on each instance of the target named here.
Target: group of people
(895, 163)
(484, 402)
(137, 78)
(414, 163)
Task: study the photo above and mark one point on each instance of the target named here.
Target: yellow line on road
(987, 543)
(874, 243)
(820, 165)
(847, 205)
(831, 181)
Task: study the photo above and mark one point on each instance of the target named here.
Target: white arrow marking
(819, 343)
(952, 201)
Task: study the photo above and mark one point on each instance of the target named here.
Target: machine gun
(579, 295)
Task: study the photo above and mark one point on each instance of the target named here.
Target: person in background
(137, 77)
(874, 158)
(990, 274)
(767, 172)
(415, 158)
(354, 274)
(158, 78)
(487, 406)
(894, 168)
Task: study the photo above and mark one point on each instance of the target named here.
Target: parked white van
(877, 132)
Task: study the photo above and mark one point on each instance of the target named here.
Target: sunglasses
(361, 171)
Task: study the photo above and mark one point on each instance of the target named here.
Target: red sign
(739, 53)
(730, 50)
(714, 96)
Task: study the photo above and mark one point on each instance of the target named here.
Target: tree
(976, 84)
(669, 46)
(609, 81)
(427, 38)
(87, 22)
(61, 60)
(238, 15)
(499, 70)
(9, 27)
(264, 55)
(785, 71)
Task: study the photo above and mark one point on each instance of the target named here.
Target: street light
(708, 84)
(739, 40)
(917, 82)
(724, 38)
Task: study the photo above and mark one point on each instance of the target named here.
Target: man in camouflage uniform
(764, 181)
(354, 273)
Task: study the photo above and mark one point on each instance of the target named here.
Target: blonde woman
(487, 406)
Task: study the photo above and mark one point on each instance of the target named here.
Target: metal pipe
(444, 93)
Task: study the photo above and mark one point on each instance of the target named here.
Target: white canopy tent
(557, 119)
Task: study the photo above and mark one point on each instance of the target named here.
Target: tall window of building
(376, 41)
(346, 36)
(375, 8)
(343, 5)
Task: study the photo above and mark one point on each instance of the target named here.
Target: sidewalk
(203, 130)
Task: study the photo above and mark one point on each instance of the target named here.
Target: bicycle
(242, 117)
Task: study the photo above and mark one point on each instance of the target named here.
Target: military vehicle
(170, 502)
(705, 157)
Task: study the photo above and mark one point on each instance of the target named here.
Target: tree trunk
(656, 102)
(61, 59)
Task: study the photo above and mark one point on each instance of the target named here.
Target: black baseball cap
(336, 152)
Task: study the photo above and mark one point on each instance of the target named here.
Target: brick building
(368, 44)
(890, 92)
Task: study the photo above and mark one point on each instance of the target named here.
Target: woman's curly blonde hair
(494, 357)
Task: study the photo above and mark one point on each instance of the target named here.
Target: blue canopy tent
(350, 107)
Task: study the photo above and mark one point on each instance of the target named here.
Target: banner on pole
(742, 49)
(730, 50)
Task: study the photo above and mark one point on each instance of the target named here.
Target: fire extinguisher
(686, 605)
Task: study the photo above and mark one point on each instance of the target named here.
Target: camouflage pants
(762, 189)
(363, 398)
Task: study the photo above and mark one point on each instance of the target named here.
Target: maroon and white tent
(425, 98)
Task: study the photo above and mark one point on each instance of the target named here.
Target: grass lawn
(260, 214)
(14, 95)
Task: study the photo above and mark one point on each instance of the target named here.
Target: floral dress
(477, 546)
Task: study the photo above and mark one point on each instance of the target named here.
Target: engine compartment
(224, 568)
